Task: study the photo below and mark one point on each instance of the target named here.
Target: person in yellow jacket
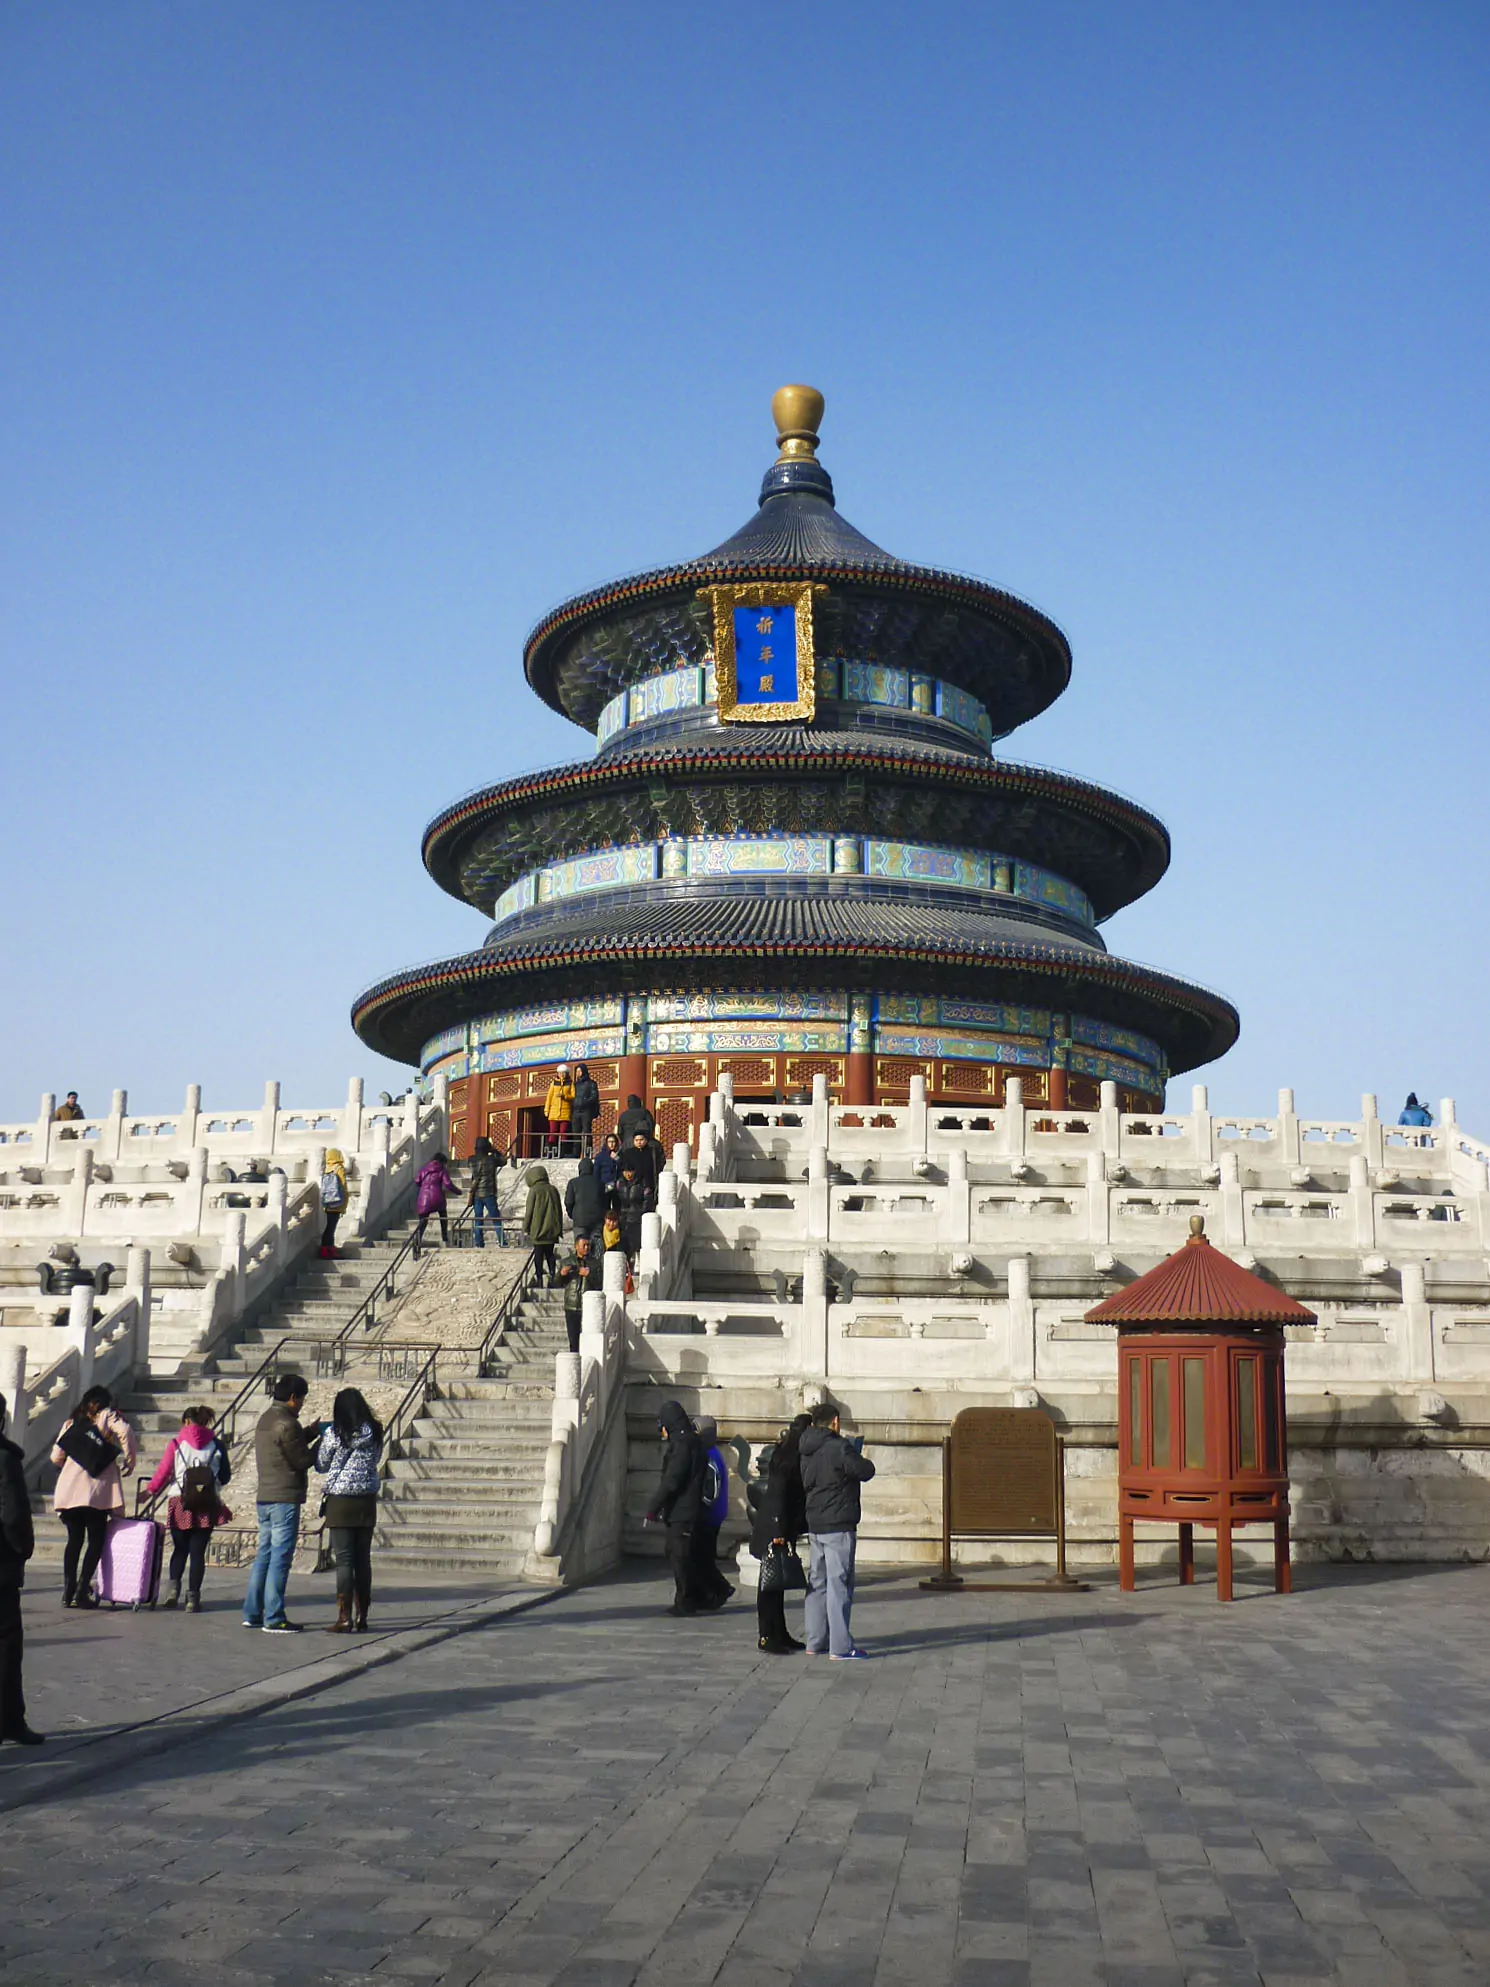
(558, 1106)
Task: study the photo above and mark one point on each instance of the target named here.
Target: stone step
(422, 1475)
(442, 1448)
(497, 1565)
(512, 1504)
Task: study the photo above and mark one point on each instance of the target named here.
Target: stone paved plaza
(1146, 1791)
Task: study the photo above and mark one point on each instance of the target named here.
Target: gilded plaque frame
(724, 599)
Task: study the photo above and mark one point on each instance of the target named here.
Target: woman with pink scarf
(196, 1465)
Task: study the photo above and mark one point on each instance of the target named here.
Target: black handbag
(782, 1572)
(82, 1444)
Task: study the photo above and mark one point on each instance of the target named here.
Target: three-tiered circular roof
(700, 776)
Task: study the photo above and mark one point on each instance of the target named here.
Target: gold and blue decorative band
(717, 857)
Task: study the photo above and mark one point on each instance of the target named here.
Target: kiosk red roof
(1196, 1285)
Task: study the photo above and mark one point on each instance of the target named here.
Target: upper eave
(1127, 848)
(988, 642)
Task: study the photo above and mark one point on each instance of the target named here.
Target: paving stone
(1020, 1792)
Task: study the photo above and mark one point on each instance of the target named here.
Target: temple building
(795, 853)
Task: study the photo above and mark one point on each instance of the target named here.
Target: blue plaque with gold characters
(763, 652)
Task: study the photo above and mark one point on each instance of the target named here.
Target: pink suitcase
(129, 1571)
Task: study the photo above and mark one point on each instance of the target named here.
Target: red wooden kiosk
(1202, 1419)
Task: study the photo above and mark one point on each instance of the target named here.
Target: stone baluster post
(819, 1197)
(79, 1330)
(1110, 1119)
(1372, 1141)
(441, 1101)
(41, 1144)
(186, 1124)
(1200, 1124)
(351, 1119)
(592, 1314)
(818, 1132)
(278, 1211)
(193, 1192)
(1022, 1348)
(1289, 1150)
(112, 1142)
(1015, 1123)
(915, 1124)
(613, 1277)
(814, 1360)
(1233, 1203)
(1418, 1362)
(727, 1090)
(13, 1387)
(137, 1285)
(267, 1137)
(1362, 1202)
(75, 1202)
(233, 1265)
(1447, 1112)
(1098, 1200)
(959, 1217)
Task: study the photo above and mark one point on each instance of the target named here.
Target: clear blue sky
(338, 342)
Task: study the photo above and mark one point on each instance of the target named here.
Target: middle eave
(1112, 849)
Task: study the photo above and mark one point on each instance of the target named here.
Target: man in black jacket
(17, 1543)
(635, 1118)
(832, 1470)
(628, 1199)
(584, 1201)
(678, 1502)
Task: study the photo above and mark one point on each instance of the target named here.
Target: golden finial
(797, 411)
(1197, 1227)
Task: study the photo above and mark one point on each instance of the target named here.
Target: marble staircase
(464, 1492)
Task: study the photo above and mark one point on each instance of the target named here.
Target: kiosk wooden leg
(1187, 1555)
(1125, 1553)
(1282, 1566)
(945, 1578)
(1223, 1559)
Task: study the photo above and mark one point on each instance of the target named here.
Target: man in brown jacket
(283, 1451)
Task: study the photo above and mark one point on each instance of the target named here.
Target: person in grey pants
(833, 1467)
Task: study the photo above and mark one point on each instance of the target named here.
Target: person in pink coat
(196, 1507)
(87, 1497)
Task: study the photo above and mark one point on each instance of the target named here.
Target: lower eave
(396, 1017)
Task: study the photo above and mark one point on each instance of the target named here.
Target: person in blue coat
(714, 1590)
(1414, 1113)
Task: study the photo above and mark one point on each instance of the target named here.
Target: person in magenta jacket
(435, 1187)
(195, 1447)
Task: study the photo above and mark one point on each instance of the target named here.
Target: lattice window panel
(800, 1070)
(680, 1072)
(606, 1074)
(1083, 1093)
(457, 1094)
(539, 1079)
(460, 1145)
(895, 1072)
(967, 1079)
(499, 1126)
(1036, 1084)
(505, 1087)
(610, 1110)
(750, 1072)
(675, 1120)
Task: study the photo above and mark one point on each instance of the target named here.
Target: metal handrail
(506, 1311)
(419, 1390)
(331, 1355)
(224, 1426)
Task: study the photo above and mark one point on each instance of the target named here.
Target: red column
(633, 1076)
(1057, 1089)
(858, 1084)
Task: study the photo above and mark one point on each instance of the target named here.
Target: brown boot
(343, 1623)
